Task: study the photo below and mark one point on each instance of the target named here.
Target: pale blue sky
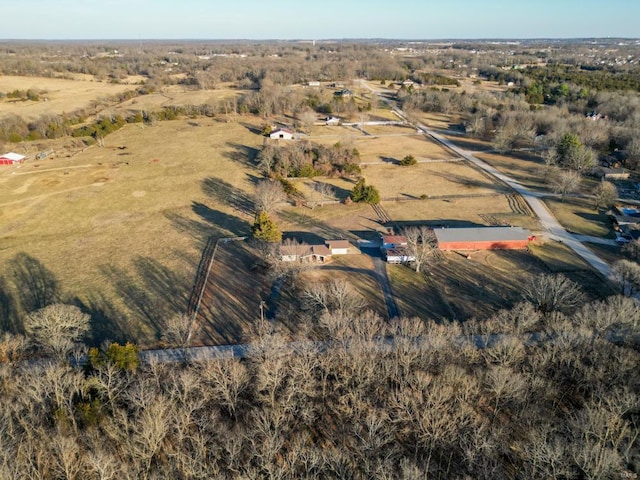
(317, 19)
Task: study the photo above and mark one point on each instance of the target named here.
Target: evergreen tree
(265, 229)
(364, 193)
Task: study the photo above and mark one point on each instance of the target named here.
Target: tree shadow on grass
(211, 223)
(319, 227)
(9, 318)
(107, 322)
(227, 194)
(152, 292)
(36, 285)
(243, 154)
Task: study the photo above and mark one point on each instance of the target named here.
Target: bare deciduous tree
(179, 329)
(605, 195)
(628, 273)
(421, 244)
(269, 193)
(335, 296)
(57, 327)
(566, 182)
(551, 293)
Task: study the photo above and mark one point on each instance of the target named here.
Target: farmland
(119, 227)
(57, 95)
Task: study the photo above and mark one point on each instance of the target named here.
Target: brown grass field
(231, 301)
(460, 212)
(121, 229)
(62, 95)
(450, 289)
(389, 130)
(579, 216)
(432, 179)
(375, 149)
(175, 95)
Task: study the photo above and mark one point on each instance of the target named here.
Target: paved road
(380, 267)
(553, 228)
(547, 220)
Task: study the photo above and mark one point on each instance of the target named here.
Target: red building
(483, 238)
(11, 158)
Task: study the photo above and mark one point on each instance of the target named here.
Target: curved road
(547, 220)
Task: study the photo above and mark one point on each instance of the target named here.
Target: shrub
(408, 160)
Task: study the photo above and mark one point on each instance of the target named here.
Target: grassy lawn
(62, 95)
(578, 215)
(383, 130)
(525, 168)
(231, 302)
(431, 179)
(120, 229)
(560, 259)
(460, 212)
(557, 257)
(450, 289)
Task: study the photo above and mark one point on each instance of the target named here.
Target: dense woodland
(548, 389)
(545, 390)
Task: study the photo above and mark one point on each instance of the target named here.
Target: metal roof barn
(483, 238)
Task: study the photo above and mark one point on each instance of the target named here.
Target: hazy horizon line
(328, 39)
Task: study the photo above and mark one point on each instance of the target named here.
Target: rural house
(313, 253)
(281, 134)
(11, 158)
(483, 238)
(394, 249)
(338, 247)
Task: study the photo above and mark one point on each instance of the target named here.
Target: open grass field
(176, 95)
(231, 301)
(560, 259)
(431, 179)
(120, 229)
(389, 130)
(61, 95)
(579, 216)
(329, 134)
(461, 212)
(393, 149)
(450, 289)
(525, 168)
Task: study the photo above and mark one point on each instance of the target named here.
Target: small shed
(338, 247)
(11, 158)
(483, 238)
(281, 134)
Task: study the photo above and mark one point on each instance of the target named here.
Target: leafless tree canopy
(269, 193)
(371, 399)
(421, 244)
(552, 293)
(56, 328)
